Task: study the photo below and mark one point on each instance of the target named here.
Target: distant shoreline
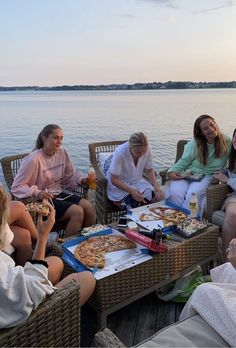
(126, 87)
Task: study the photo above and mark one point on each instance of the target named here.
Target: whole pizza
(169, 216)
(91, 252)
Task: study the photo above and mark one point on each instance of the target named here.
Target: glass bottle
(193, 206)
(92, 178)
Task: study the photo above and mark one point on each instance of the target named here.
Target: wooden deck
(133, 323)
(137, 321)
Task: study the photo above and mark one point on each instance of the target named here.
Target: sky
(77, 42)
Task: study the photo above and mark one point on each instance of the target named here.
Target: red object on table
(146, 241)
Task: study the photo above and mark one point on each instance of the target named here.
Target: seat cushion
(218, 217)
(104, 161)
(107, 164)
(191, 332)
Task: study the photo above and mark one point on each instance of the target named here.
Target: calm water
(165, 116)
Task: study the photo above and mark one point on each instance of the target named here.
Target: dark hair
(232, 156)
(201, 141)
(45, 133)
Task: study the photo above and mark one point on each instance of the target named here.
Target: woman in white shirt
(126, 185)
(22, 289)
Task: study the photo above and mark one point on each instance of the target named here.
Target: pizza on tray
(169, 216)
(91, 252)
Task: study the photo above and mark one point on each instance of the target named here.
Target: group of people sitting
(48, 170)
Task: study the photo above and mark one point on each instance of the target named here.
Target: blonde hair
(201, 141)
(3, 212)
(138, 139)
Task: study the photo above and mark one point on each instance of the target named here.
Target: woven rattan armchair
(10, 166)
(179, 152)
(55, 323)
(215, 196)
(106, 211)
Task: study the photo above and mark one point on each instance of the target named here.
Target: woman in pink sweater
(45, 172)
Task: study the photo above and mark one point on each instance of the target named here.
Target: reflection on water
(165, 116)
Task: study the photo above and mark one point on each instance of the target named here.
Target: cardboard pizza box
(134, 214)
(116, 261)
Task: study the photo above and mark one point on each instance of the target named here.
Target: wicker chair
(106, 211)
(179, 152)
(215, 196)
(10, 166)
(55, 323)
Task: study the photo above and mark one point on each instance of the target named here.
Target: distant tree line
(124, 86)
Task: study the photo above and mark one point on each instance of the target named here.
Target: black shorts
(62, 206)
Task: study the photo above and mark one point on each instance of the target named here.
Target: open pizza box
(134, 214)
(115, 261)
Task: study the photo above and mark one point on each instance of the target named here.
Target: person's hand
(159, 194)
(45, 226)
(221, 177)
(137, 195)
(43, 194)
(174, 176)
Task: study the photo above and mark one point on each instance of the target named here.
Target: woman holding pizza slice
(22, 289)
(207, 153)
(45, 172)
(126, 185)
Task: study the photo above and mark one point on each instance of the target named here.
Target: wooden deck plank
(127, 323)
(133, 323)
(146, 321)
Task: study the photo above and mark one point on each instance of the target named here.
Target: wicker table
(120, 289)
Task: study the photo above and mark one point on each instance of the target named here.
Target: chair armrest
(106, 338)
(55, 323)
(163, 175)
(215, 196)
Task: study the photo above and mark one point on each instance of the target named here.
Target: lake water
(86, 117)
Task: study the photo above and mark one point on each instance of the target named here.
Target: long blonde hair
(3, 212)
(201, 141)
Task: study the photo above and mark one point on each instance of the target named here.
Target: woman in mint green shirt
(204, 155)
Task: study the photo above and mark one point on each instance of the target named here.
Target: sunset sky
(57, 42)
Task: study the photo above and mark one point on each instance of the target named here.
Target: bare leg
(18, 215)
(86, 282)
(55, 268)
(22, 244)
(229, 227)
(75, 215)
(89, 213)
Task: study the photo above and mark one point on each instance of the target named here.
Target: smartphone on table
(122, 222)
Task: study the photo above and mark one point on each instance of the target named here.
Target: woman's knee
(74, 211)
(86, 205)
(55, 268)
(16, 210)
(22, 236)
(231, 214)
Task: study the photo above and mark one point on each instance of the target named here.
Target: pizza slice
(38, 207)
(149, 217)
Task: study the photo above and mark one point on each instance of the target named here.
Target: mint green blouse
(189, 159)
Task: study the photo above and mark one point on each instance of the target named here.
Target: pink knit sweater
(39, 172)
